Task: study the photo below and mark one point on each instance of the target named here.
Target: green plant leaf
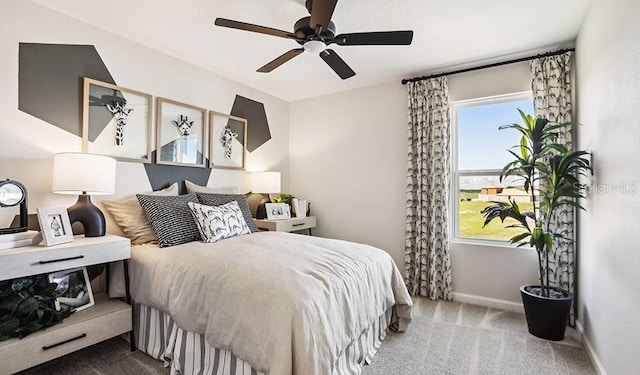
(10, 303)
(20, 284)
(28, 305)
(9, 327)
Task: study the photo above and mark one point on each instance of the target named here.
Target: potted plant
(549, 172)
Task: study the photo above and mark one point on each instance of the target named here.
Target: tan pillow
(130, 216)
(193, 188)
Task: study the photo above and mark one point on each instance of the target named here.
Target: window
(479, 152)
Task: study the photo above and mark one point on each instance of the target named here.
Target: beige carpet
(454, 338)
(444, 338)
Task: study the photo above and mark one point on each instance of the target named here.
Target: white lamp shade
(266, 182)
(75, 173)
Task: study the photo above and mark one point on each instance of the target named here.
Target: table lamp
(265, 183)
(85, 175)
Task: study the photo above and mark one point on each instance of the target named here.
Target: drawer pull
(297, 225)
(47, 347)
(60, 260)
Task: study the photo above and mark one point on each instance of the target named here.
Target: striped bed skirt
(189, 354)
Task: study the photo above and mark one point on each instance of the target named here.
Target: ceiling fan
(316, 33)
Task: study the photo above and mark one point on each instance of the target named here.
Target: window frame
(455, 173)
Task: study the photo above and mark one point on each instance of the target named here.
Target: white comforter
(285, 303)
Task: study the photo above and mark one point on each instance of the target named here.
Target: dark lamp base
(90, 216)
(261, 211)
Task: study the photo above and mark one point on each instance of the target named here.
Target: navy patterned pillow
(220, 199)
(171, 218)
(219, 222)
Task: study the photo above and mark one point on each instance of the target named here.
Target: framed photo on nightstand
(278, 211)
(55, 225)
(73, 289)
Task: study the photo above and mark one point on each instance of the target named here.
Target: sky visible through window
(481, 145)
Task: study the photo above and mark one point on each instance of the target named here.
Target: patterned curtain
(551, 88)
(428, 266)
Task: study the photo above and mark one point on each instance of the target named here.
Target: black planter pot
(547, 317)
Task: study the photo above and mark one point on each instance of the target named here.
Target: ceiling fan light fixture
(314, 46)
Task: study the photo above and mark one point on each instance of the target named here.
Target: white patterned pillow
(219, 222)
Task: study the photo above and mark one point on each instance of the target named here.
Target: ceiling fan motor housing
(303, 31)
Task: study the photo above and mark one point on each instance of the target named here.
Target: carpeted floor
(443, 338)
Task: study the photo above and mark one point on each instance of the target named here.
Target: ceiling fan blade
(337, 64)
(321, 12)
(376, 38)
(223, 22)
(280, 60)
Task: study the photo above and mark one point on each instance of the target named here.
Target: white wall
(608, 70)
(349, 158)
(24, 137)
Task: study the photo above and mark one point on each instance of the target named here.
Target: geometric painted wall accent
(161, 176)
(258, 132)
(50, 81)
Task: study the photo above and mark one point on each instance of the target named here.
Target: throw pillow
(171, 218)
(193, 188)
(220, 199)
(130, 216)
(219, 222)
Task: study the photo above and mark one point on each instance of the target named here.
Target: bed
(257, 302)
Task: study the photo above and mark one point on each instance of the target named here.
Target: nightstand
(287, 225)
(106, 319)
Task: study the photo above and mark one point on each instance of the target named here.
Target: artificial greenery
(283, 198)
(27, 305)
(551, 168)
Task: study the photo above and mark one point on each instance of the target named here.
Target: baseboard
(489, 302)
(593, 356)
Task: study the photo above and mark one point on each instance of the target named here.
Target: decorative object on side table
(21, 299)
(181, 134)
(227, 141)
(55, 226)
(20, 239)
(73, 290)
(265, 183)
(116, 121)
(13, 193)
(550, 173)
(300, 207)
(85, 175)
(278, 211)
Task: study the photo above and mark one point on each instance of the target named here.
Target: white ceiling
(447, 33)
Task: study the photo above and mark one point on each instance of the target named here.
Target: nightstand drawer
(83, 251)
(297, 224)
(287, 225)
(108, 318)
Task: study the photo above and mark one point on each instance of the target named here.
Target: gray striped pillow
(171, 218)
(220, 199)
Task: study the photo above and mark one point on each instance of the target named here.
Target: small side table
(106, 319)
(287, 225)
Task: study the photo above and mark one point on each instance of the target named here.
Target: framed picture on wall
(181, 134)
(116, 121)
(228, 141)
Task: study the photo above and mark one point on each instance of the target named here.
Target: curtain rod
(558, 52)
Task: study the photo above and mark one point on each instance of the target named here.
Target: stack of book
(299, 207)
(12, 240)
